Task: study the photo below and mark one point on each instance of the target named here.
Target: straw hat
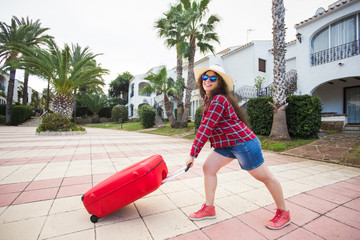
(219, 70)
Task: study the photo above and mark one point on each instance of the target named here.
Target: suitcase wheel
(82, 197)
(94, 219)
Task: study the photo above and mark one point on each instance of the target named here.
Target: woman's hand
(190, 161)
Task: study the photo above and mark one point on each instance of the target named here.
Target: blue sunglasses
(212, 78)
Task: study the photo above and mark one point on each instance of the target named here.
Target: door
(352, 104)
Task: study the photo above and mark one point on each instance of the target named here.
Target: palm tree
(94, 102)
(64, 75)
(170, 28)
(200, 34)
(279, 130)
(160, 83)
(33, 38)
(9, 35)
(77, 55)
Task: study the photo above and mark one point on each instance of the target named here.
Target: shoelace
(277, 217)
(202, 209)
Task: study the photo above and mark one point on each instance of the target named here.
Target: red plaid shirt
(221, 125)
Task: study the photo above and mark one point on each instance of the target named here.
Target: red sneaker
(206, 212)
(281, 219)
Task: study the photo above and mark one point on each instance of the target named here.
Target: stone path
(42, 179)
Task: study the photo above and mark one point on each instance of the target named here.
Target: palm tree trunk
(48, 96)
(169, 113)
(179, 99)
(25, 90)
(190, 82)
(74, 107)
(279, 130)
(9, 96)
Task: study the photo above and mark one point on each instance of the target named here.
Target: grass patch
(280, 146)
(128, 126)
(169, 131)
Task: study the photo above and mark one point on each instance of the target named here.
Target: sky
(123, 31)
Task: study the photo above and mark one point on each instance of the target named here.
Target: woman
(224, 123)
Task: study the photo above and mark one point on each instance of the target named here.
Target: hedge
(20, 114)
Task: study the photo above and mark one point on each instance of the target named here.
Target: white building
(324, 61)
(4, 80)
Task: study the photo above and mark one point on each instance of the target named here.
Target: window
(262, 65)
(336, 41)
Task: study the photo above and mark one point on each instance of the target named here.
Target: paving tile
(232, 229)
(65, 223)
(236, 205)
(345, 215)
(8, 198)
(300, 234)
(13, 188)
(134, 229)
(260, 197)
(236, 186)
(152, 205)
(330, 229)
(313, 203)
(87, 234)
(354, 204)
(174, 186)
(36, 195)
(168, 224)
(66, 204)
(27, 229)
(22, 212)
(257, 219)
(48, 183)
(76, 180)
(195, 235)
(329, 195)
(185, 198)
(73, 190)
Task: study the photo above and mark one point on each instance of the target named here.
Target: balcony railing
(336, 53)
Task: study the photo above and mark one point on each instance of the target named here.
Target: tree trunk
(48, 96)
(74, 107)
(190, 82)
(179, 99)
(9, 96)
(279, 130)
(169, 113)
(25, 90)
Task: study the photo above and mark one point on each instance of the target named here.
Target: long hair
(221, 89)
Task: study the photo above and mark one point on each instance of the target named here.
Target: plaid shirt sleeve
(208, 122)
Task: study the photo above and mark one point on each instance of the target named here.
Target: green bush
(303, 115)
(20, 114)
(105, 112)
(119, 111)
(2, 119)
(2, 109)
(82, 111)
(198, 116)
(260, 115)
(147, 116)
(57, 122)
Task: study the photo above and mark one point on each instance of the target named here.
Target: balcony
(336, 53)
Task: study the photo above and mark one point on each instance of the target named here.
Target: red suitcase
(126, 186)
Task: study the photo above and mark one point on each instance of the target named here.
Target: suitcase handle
(177, 173)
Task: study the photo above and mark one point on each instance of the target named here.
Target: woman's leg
(212, 165)
(263, 174)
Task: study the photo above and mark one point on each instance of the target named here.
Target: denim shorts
(248, 153)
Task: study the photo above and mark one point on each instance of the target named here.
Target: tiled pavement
(43, 177)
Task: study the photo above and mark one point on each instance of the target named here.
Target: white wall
(311, 76)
